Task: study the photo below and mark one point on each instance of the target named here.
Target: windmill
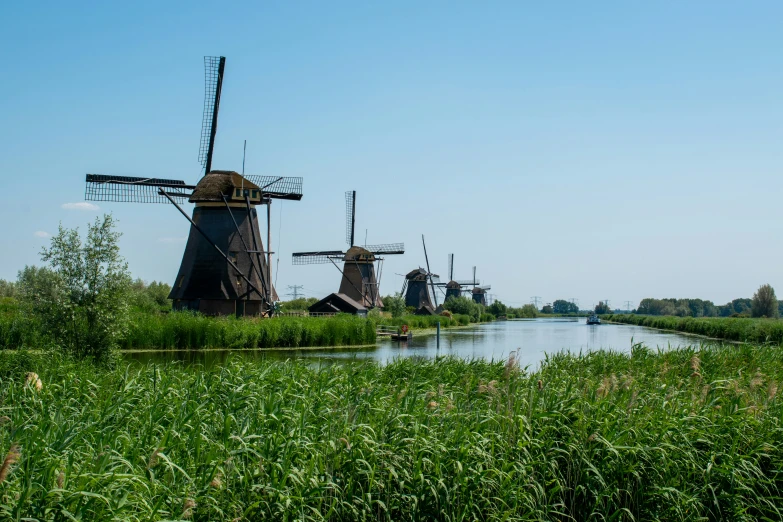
(359, 285)
(479, 292)
(224, 269)
(417, 287)
(455, 288)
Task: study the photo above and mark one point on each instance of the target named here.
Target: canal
(531, 339)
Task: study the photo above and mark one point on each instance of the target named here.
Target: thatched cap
(478, 290)
(357, 253)
(218, 183)
(418, 274)
(453, 284)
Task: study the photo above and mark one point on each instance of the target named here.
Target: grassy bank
(192, 331)
(682, 435)
(729, 328)
(425, 321)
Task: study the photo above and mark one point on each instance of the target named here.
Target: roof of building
(336, 303)
(419, 273)
(219, 183)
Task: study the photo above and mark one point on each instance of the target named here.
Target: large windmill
(419, 288)
(359, 285)
(224, 269)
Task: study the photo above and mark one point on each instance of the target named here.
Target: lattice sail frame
(317, 258)
(211, 81)
(127, 189)
(278, 187)
(349, 213)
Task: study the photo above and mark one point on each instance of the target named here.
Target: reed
(729, 328)
(604, 436)
(425, 321)
(183, 330)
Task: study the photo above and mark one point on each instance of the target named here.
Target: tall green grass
(729, 328)
(183, 330)
(692, 434)
(425, 321)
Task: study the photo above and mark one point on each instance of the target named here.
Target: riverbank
(682, 434)
(735, 329)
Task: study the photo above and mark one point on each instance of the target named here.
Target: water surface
(532, 339)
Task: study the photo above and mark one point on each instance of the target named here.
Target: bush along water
(729, 328)
(691, 434)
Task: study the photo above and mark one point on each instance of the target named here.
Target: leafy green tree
(602, 308)
(297, 305)
(547, 309)
(395, 305)
(7, 288)
(765, 304)
(464, 305)
(561, 306)
(152, 297)
(497, 309)
(83, 295)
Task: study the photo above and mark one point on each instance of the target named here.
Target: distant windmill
(455, 288)
(419, 288)
(359, 286)
(479, 292)
(224, 267)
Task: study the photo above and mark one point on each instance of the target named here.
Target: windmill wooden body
(359, 282)
(454, 287)
(225, 269)
(419, 288)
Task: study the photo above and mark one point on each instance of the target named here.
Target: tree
(394, 304)
(765, 304)
(7, 288)
(602, 308)
(561, 306)
(83, 296)
(547, 309)
(497, 309)
(152, 297)
(464, 305)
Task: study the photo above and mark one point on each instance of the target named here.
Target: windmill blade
(278, 187)
(429, 272)
(467, 282)
(213, 84)
(317, 258)
(485, 287)
(350, 216)
(128, 189)
(387, 249)
(451, 267)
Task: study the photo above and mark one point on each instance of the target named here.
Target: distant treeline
(697, 308)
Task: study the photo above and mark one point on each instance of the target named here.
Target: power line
(294, 293)
(535, 300)
(628, 305)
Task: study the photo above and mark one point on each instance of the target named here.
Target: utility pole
(575, 301)
(628, 305)
(535, 300)
(294, 293)
(606, 302)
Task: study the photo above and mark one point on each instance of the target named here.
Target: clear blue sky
(570, 150)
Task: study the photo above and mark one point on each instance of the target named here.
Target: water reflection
(495, 341)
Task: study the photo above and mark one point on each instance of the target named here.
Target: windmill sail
(127, 189)
(350, 216)
(213, 84)
(278, 187)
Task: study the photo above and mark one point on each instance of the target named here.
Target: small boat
(593, 319)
